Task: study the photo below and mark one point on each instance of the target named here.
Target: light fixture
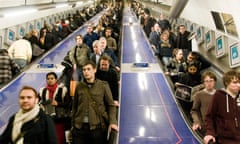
(61, 5)
(19, 12)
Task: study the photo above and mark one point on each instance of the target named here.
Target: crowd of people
(212, 112)
(48, 114)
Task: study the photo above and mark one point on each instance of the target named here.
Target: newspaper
(185, 92)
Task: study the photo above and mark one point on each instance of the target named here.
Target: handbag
(73, 83)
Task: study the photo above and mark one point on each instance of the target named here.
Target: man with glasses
(202, 100)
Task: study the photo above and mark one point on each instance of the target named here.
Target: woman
(55, 100)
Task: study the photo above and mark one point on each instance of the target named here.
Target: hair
(175, 51)
(210, 74)
(52, 73)
(194, 55)
(105, 57)
(29, 88)
(95, 43)
(229, 76)
(89, 62)
(79, 36)
(108, 28)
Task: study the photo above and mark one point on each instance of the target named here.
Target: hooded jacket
(223, 117)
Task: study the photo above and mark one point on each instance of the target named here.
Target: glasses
(208, 81)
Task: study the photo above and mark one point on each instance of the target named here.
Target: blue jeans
(21, 63)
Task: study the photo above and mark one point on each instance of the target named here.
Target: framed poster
(200, 35)
(234, 55)
(21, 31)
(38, 25)
(192, 27)
(209, 39)
(30, 27)
(10, 36)
(220, 46)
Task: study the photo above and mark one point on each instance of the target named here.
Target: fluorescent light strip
(20, 12)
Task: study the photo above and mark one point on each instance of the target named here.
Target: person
(8, 68)
(191, 57)
(165, 49)
(54, 96)
(111, 42)
(192, 77)
(107, 73)
(79, 54)
(201, 101)
(46, 38)
(21, 52)
(105, 50)
(97, 52)
(222, 118)
(90, 37)
(164, 23)
(30, 125)
(182, 41)
(91, 100)
(172, 68)
(149, 22)
(154, 38)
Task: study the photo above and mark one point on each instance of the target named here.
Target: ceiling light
(20, 12)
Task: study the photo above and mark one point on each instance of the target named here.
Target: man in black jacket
(30, 125)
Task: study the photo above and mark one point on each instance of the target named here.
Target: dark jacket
(183, 42)
(223, 118)
(111, 77)
(38, 131)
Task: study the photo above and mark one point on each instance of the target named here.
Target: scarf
(21, 118)
(51, 89)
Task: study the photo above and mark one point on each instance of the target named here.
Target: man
(222, 118)
(79, 54)
(164, 23)
(201, 101)
(90, 37)
(30, 125)
(111, 42)
(104, 48)
(92, 101)
(182, 40)
(107, 73)
(154, 38)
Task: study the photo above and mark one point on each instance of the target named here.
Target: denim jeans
(21, 63)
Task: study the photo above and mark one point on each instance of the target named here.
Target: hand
(116, 103)
(114, 127)
(196, 126)
(167, 73)
(208, 138)
(54, 103)
(117, 68)
(74, 66)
